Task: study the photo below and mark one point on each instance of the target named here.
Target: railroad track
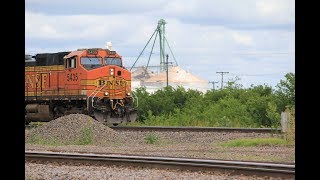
(195, 129)
(186, 129)
(236, 167)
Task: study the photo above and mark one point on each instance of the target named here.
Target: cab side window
(71, 62)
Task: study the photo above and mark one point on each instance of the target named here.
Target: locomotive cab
(106, 82)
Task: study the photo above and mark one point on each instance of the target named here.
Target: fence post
(285, 119)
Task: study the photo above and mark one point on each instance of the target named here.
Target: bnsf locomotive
(87, 81)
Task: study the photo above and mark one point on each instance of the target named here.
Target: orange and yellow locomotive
(88, 81)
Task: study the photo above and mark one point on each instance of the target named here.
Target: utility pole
(167, 68)
(167, 56)
(222, 77)
(213, 82)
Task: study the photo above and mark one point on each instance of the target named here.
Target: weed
(151, 139)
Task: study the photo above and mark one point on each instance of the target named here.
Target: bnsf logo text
(112, 83)
(36, 80)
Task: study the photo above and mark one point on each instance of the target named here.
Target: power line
(270, 74)
(262, 53)
(222, 77)
(252, 53)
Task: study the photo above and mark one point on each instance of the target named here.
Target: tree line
(232, 106)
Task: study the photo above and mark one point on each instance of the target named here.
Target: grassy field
(257, 142)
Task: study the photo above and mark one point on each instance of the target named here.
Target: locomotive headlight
(106, 93)
(128, 94)
(111, 71)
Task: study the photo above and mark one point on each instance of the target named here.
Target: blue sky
(251, 39)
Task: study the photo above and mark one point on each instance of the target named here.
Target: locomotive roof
(74, 53)
(80, 51)
(47, 59)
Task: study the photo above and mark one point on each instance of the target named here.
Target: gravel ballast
(62, 171)
(71, 129)
(67, 130)
(173, 144)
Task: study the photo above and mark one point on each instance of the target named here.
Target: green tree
(286, 91)
(232, 106)
(273, 114)
(143, 103)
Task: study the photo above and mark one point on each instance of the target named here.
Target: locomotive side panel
(42, 81)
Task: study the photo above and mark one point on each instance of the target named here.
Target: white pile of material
(176, 77)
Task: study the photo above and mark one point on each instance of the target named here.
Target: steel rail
(189, 163)
(195, 129)
(189, 129)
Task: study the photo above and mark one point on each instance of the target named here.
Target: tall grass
(256, 142)
(205, 119)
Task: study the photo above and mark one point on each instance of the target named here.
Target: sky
(253, 40)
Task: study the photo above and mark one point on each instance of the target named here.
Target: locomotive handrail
(99, 90)
(90, 97)
(96, 92)
(93, 91)
(134, 97)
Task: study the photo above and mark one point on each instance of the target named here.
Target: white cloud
(179, 7)
(242, 39)
(204, 47)
(77, 26)
(183, 38)
(282, 11)
(48, 30)
(250, 12)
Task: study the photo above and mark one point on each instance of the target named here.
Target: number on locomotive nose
(72, 77)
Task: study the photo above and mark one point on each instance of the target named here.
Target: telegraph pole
(213, 82)
(167, 56)
(167, 67)
(222, 77)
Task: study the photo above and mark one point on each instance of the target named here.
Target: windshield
(91, 62)
(113, 61)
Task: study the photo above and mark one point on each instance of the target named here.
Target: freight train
(89, 81)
